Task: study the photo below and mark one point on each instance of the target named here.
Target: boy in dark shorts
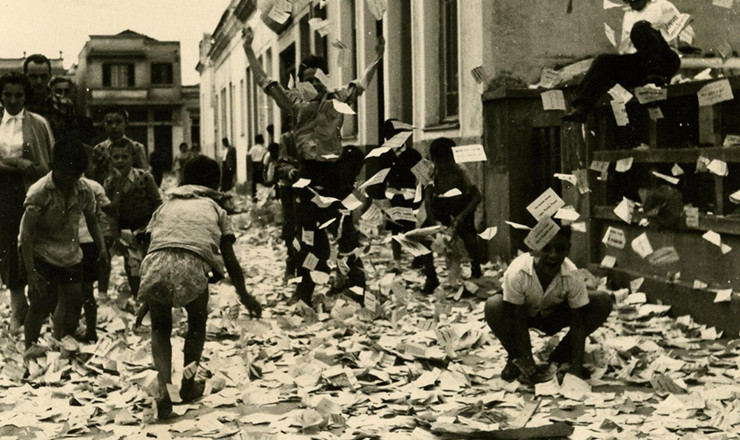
(49, 241)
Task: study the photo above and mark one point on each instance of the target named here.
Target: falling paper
(620, 113)
(610, 35)
(655, 113)
(545, 205)
(479, 74)
(698, 284)
(541, 234)
(320, 26)
(715, 92)
(518, 226)
(650, 93)
(735, 197)
(307, 237)
(310, 261)
(342, 107)
(624, 209)
(724, 295)
(620, 94)
(614, 237)
(280, 11)
(608, 261)
(413, 247)
(301, 183)
(664, 255)
(608, 4)
(402, 213)
(553, 100)
(731, 140)
(669, 179)
(454, 192)
(599, 166)
(489, 233)
(718, 167)
(579, 227)
(549, 78)
(701, 164)
(716, 240)
(567, 214)
(724, 3)
(319, 277)
(624, 165)
(377, 178)
(377, 152)
(469, 153)
(398, 140)
(636, 284)
(423, 171)
(641, 245)
(351, 202)
(570, 178)
(675, 25)
(676, 170)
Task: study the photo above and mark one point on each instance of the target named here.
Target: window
(118, 75)
(162, 73)
(449, 93)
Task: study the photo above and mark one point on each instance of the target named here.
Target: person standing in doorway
(228, 166)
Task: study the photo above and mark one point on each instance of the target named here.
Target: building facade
(143, 75)
(8, 65)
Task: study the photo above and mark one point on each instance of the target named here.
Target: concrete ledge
(683, 299)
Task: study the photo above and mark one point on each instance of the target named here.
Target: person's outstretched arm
(237, 277)
(369, 73)
(271, 88)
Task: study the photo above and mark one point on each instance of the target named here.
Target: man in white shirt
(255, 156)
(644, 55)
(526, 303)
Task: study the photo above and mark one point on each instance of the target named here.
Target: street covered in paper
(418, 367)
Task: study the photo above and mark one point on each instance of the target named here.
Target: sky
(50, 26)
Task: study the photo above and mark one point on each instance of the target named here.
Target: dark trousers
(654, 58)
(288, 203)
(309, 216)
(498, 315)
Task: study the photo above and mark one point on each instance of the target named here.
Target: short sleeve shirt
(191, 220)
(522, 287)
(100, 200)
(56, 239)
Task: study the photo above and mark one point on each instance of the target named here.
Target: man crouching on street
(565, 303)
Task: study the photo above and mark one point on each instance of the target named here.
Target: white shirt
(257, 153)
(657, 12)
(522, 287)
(101, 199)
(11, 135)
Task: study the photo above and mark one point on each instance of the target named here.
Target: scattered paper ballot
(724, 295)
(676, 170)
(469, 153)
(716, 240)
(310, 261)
(625, 209)
(545, 205)
(413, 247)
(323, 201)
(615, 238)
(698, 284)
(650, 93)
(377, 178)
(669, 179)
(371, 301)
(641, 245)
(377, 8)
(553, 100)
(397, 213)
(454, 192)
(735, 197)
(327, 223)
(608, 4)
(570, 178)
(301, 183)
(718, 167)
(620, 113)
(398, 140)
(541, 234)
(636, 284)
(731, 140)
(609, 32)
(704, 74)
(489, 233)
(692, 216)
(423, 171)
(636, 298)
(724, 3)
(399, 125)
(599, 166)
(655, 113)
(320, 26)
(342, 107)
(620, 94)
(351, 202)
(574, 387)
(280, 11)
(518, 226)
(319, 277)
(307, 237)
(664, 255)
(677, 24)
(608, 261)
(377, 152)
(567, 214)
(715, 92)
(701, 164)
(624, 165)
(549, 78)
(479, 74)
(578, 227)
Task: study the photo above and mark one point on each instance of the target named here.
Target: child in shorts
(91, 269)
(49, 241)
(191, 236)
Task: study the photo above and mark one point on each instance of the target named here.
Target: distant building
(143, 75)
(8, 65)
